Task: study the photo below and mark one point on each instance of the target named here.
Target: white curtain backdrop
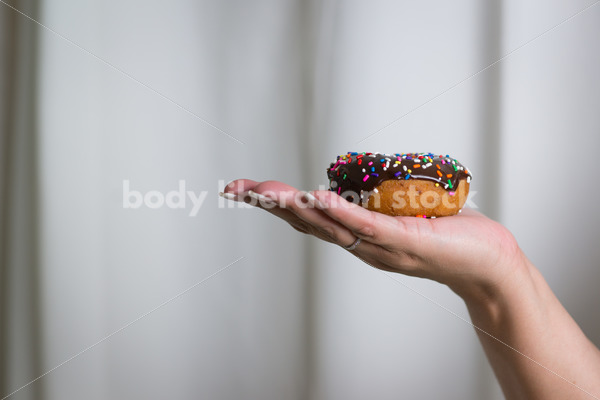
(231, 303)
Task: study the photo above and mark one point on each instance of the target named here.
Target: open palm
(465, 251)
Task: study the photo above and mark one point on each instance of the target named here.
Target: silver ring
(353, 245)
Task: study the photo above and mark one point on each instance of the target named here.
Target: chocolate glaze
(358, 172)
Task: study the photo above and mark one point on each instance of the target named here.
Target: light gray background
(299, 83)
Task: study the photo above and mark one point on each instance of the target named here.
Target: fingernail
(310, 197)
(228, 196)
(261, 197)
(312, 200)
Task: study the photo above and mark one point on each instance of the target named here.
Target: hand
(508, 299)
(468, 252)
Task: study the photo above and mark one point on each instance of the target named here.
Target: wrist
(511, 283)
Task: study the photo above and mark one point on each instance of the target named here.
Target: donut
(422, 185)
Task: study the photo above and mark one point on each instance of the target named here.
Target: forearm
(536, 349)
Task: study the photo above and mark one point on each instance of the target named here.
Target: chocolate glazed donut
(408, 184)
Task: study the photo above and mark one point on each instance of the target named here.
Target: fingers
(285, 202)
(340, 223)
(413, 246)
(239, 186)
(300, 206)
(372, 226)
(320, 218)
(298, 210)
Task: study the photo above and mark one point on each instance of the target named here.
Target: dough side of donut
(417, 197)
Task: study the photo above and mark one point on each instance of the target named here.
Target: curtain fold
(148, 94)
(20, 320)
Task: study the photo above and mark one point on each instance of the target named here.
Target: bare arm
(536, 349)
(549, 356)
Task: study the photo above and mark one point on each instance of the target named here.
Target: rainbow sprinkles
(363, 172)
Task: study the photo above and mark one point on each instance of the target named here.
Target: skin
(536, 349)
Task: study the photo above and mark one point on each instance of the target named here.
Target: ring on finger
(353, 245)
